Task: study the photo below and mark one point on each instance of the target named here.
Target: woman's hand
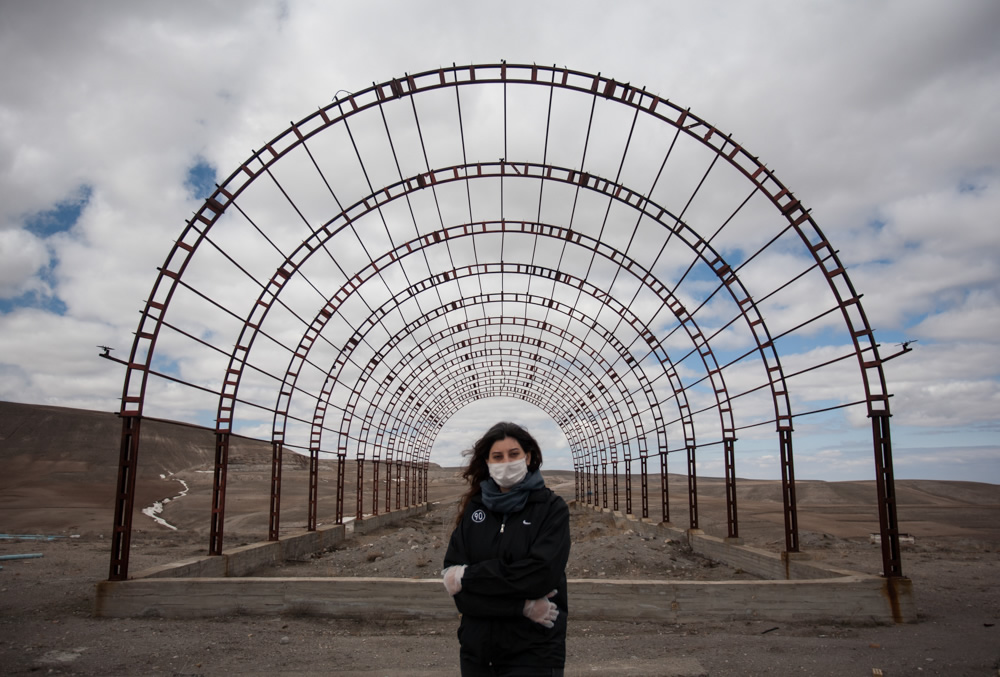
(453, 578)
(542, 611)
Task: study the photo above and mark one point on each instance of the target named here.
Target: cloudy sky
(878, 115)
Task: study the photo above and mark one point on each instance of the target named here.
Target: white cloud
(22, 255)
(975, 317)
(57, 361)
(892, 143)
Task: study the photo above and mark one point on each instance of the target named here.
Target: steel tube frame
(600, 432)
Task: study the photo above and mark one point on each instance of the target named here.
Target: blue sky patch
(61, 217)
(200, 181)
(33, 299)
(36, 298)
(165, 365)
(976, 182)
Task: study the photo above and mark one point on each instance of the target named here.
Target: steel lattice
(513, 231)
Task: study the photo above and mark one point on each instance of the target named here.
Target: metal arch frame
(515, 375)
(538, 343)
(450, 275)
(702, 248)
(412, 247)
(476, 352)
(589, 448)
(403, 333)
(475, 355)
(580, 435)
(474, 389)
(642, 331)
(342, 359)
(442, 407)
(445, 376)
(152, 317)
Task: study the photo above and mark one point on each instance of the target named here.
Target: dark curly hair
(478, 471)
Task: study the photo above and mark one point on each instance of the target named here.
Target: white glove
(453, 578)
(542, 611)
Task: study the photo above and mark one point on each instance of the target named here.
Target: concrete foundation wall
(798, 590)
(245, 560)
(769, 565)
(849, 599)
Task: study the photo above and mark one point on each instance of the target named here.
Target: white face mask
(507, 475)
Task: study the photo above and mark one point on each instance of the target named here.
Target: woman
(506, 561)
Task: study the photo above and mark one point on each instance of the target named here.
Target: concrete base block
(795, 589)
(849, 599)
(358, 598)
(247, 559)
(194, 567)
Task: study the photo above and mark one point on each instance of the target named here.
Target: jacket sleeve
(486, 606)
(471, 604)
(456, 552)
(533, 576)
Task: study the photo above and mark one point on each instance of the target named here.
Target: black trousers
(470, 669)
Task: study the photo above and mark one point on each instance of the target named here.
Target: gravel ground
(415, 549)
(60, 467)
(47, 627)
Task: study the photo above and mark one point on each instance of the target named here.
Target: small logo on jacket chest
(479, 517)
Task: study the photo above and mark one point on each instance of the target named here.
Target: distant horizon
(766, 479)
(548, 468)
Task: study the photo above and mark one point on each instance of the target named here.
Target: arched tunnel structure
(504, 231)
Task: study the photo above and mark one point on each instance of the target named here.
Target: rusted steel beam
(121, 533)
(788, 491)
(599, 380)
(218, 516)
(886, 491)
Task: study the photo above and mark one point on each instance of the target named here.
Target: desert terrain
(56, 498)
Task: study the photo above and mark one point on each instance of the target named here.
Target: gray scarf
(513, 500)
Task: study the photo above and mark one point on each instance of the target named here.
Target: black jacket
(511, 559)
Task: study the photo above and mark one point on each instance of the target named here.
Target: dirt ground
(47, 627)
(46, 603)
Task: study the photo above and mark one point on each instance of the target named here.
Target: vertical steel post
(359, 493)
(664, 491)
(375, 474)
(399, 482)
(732, 520)
(614, 485)
(313, 519)
(388, 485)
(416, 480)
(121, 532)
(645, 486)
(628, 486)
(692, 477)
(888, 526)
(341, 462)
(408, 484)
(273, 524)
(604, 484)
(219, 493)
(788, 491)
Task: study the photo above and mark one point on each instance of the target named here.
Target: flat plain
(58, 483)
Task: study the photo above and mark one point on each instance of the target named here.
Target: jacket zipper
(503, 523)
